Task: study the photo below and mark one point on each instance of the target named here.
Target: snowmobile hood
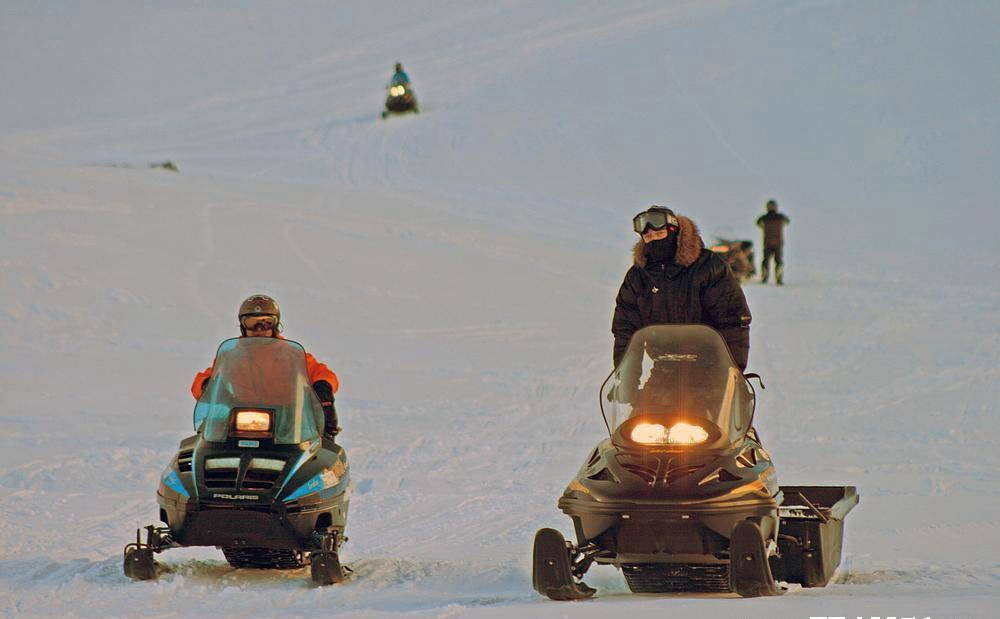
(689, 245)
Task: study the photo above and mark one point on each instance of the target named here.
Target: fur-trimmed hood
(689, 245)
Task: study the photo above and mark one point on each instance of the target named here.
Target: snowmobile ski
(139, 564)
(326, 568)
(749, 570)
(552, 575)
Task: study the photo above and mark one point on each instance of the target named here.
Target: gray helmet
(259, 305)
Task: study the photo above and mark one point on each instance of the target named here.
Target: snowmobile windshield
(260, 374)
(678, 374)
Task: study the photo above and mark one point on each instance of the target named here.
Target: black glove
(323, 390)
(325, 393)
(330, 413)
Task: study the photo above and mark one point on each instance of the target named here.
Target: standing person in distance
(772, 223)
(675, 279)
(260, 316)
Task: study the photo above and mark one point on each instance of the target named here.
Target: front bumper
(254, 526)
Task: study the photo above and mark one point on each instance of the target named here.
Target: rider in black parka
(675, 279)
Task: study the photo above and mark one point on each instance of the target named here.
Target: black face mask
(662, 250)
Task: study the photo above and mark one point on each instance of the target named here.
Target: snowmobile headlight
(686, 434)
(253, 421)
(678, 434)
(252, 424)
(649, 433)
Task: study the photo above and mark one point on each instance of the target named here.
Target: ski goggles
(258, 323)
(655, 219)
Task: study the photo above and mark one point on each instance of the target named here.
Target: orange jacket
(317, 371)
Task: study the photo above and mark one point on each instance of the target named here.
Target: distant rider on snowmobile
(675, 279)
(260, 316)
(400, 78)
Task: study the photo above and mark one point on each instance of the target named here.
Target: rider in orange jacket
(260, 316)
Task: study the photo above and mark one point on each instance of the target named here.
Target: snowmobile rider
(400, 78)
(260, 316)
(772, 223)
(675, 279)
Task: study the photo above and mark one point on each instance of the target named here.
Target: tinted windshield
(260, 372)
(679, 370)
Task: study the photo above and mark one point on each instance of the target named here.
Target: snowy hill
(458, 268)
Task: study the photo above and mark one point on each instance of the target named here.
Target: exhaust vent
(262, 473)
(221, 472)
(664, 471)
(594, 457)
(184, 460)
(647, 474)
(747, 458)
(603, 475)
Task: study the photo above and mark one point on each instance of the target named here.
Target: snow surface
(458, 268)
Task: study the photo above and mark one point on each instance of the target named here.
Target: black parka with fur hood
(698, 287)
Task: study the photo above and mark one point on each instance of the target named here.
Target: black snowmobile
(738, 255)
(400, 99)
(257, 480)
(682, 496)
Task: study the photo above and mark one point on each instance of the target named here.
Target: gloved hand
(325, 393)
(330, 414)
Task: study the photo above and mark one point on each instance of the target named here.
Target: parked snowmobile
(738, 255)
(400, 99)
(682, 496)
(257, 480)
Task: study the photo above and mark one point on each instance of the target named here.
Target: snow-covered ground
(458, 268)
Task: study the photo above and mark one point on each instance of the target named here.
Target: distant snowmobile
(738, 255)
(257, 480)
(682, 496)
(400, 99)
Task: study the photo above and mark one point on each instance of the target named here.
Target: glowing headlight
(396, 91)
(650, 433)
(253, 421)
(678, 434)
(686, 434)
